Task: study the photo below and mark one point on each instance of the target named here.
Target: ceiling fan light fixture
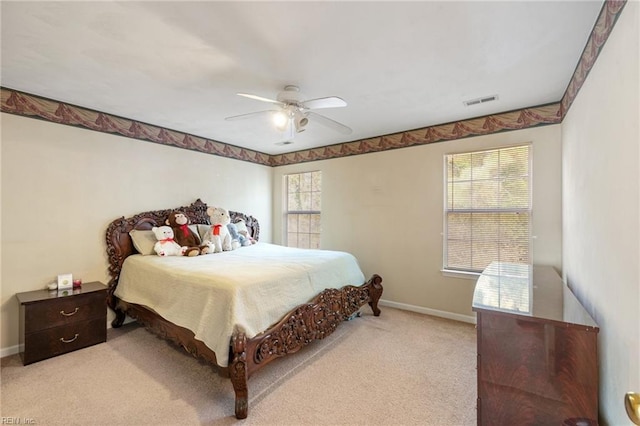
(300, 120)
(280, 119)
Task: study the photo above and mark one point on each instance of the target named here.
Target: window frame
(471, 273)
(287, 212)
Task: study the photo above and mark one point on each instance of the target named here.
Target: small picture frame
(65, 281)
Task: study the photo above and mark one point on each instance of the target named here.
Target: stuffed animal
(184, 236)
(166, 245)
(236, 236)
(219, 233)
(244, 231)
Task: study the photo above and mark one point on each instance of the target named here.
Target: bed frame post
(238, 373)
(375, 283)
(112, 302)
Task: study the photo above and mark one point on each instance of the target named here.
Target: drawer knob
(70, 313)
(63, 340)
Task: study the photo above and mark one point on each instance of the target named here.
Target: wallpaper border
(495, 123)
(607, 18)
(29, 105)
(20, 103)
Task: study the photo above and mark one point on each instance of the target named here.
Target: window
(487, 208)
(303, 192)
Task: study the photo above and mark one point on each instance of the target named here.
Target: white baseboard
(12, 350)
(421, 310)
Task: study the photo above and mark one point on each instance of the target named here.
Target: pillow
(202, 230)
(143, 241)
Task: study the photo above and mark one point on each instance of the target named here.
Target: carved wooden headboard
(119, 244)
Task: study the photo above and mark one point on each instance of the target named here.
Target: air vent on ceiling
(284, 143)
(482, 100)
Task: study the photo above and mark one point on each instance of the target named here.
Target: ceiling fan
(294, 113)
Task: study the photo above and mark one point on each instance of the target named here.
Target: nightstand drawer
(53, 324)
(62, 311)
(59, 340)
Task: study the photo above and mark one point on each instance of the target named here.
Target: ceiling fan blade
(260, 98)
(249, 115)
(326, 121)
(329, 102)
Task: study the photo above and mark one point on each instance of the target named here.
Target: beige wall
(62, 186)
(601, 188)
(387, 209)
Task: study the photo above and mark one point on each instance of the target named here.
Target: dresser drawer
(66, 338)
(65, 310)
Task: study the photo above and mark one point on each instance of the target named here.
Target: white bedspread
(247, 289)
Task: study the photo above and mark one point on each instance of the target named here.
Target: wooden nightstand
(52, 324)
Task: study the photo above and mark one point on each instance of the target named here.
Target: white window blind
(303, 192)
(487, 208)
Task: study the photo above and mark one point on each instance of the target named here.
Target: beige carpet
(401, 368)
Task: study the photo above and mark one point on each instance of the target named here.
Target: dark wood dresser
(537, 350)
(53, 323)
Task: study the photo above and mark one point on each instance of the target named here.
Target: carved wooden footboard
(308, 322)
(304, 324)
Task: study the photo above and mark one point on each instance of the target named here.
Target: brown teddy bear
(184, 236)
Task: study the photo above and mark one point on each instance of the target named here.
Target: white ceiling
(398, 65)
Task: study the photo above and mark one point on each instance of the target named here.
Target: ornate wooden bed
(307, 322)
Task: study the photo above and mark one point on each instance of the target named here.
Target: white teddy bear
(166, 245)
(241, 225)
(218, 234)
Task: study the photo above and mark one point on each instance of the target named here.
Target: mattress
(247, 289)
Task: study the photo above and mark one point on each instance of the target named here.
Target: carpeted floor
(401, 368)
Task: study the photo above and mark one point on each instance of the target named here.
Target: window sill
(460, 274)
